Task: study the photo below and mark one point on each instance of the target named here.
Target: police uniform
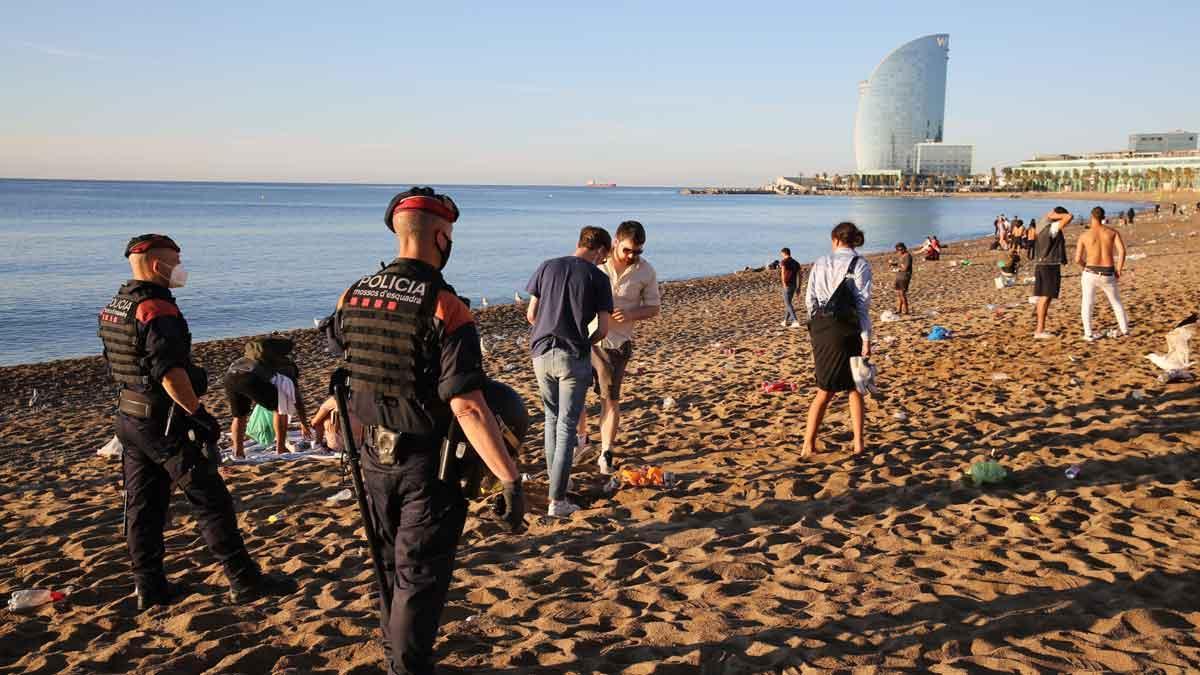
(145, 336)
(411, 345)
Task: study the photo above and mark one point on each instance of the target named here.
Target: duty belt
(134, 404)
(389, 444)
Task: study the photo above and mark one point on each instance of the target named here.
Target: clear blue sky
(638, 93)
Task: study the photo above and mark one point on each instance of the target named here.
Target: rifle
(338, 387)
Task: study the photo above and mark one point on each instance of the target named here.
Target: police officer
(415, 363)
(169, 438)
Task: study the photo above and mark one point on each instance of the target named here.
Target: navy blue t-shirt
(570, 292)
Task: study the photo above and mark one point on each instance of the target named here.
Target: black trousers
(419, 521)
(148, 493)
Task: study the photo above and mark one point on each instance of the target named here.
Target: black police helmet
(507, 404)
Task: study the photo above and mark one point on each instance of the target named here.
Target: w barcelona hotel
(901, 115)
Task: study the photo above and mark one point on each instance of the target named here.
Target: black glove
(207, 429)
(510, 506)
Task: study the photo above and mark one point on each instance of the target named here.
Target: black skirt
(834, 341)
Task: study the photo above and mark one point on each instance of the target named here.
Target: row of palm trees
(1102, 180)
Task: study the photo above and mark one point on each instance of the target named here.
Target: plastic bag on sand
(649, 476)
(1179, 352)
(863, 372)
(261, 426)
(889, 316)
(939, 333)
(112, 448)
(779, 386)
(343, 496)
(989, 471)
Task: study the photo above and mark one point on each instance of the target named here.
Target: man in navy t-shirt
(568, 293)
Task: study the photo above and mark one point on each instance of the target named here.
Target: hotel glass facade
(901, 105)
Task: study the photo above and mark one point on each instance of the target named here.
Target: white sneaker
(605, 461)
(561, 509)
(795, 324)
(783, 324)
(1089, 338)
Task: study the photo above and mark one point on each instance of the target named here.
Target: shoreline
(481, 312)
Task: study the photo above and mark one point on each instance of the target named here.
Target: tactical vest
(119, 332)
(391, 350)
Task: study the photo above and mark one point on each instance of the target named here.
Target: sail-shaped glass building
(902, 104)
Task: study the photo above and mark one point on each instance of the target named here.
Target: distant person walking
(635, 297)
(789, 276)
(1031, 235)
(902, 264)
(1050, 254)
(566, 294)
(838, 297)
(1101, 252)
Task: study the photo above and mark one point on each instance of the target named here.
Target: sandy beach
(756, 561)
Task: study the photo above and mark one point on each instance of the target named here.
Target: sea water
(265, 256)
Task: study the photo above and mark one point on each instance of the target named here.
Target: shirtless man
(1101, 252)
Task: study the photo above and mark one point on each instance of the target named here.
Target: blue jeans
(790, 314)
(563, 382)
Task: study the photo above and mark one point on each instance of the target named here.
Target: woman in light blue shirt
(838, 297)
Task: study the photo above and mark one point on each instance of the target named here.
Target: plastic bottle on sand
(23, 600)
(1073, 471)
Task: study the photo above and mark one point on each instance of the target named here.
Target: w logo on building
(941, 40)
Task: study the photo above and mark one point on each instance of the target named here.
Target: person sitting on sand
(1101, 252)
(931, 249)
(838, 297)
(325, 426)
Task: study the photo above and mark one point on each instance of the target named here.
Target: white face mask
(178, 277)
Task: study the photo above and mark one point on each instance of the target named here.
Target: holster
(389, 445)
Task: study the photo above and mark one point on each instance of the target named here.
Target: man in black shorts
(1049, 255)
(258, 378)
(902, 264)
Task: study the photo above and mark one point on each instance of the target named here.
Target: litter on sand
(1135, 256)
(112, 448)
(669, 403)
(343, 496)
(988, 471)
(939, 333)
(900, 416)
(863, 372)
(888, 316)
(650, 476)
(999, 377)
(1178, 358)
(778, 386)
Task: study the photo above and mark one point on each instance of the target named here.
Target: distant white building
(796, 184)
(944, 159)
(1171, 141)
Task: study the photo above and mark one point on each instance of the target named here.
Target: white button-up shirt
(827, 274)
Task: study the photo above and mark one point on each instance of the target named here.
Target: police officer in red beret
(169, 438)
(415, 365)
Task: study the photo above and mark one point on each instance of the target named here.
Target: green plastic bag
(261, 426)
(987, 472)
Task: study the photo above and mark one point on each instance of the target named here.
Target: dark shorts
(610, 365)
(244, 389)
(1047, 281)
(902, 282)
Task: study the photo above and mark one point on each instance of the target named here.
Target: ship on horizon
(593, 183)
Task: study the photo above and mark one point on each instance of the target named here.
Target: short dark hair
(593, 238)
(1061, 211)
(1098, 213)
(848, 234)
(785, 250)
(901, 247)
(631, 229)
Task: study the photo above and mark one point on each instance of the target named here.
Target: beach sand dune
(756, 561)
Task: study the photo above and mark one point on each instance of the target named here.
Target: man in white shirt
(635, 298)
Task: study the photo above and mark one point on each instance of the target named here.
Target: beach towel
(261, 426)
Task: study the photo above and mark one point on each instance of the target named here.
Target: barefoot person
(1101, 252)
(268, 376)
(635, 298)
(838, 296)
(566, 294)
(902, 265)
(789, 278)
(1050, 254)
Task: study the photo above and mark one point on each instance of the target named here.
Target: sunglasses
(635, 252)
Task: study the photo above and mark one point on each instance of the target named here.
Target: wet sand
(757, 561)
